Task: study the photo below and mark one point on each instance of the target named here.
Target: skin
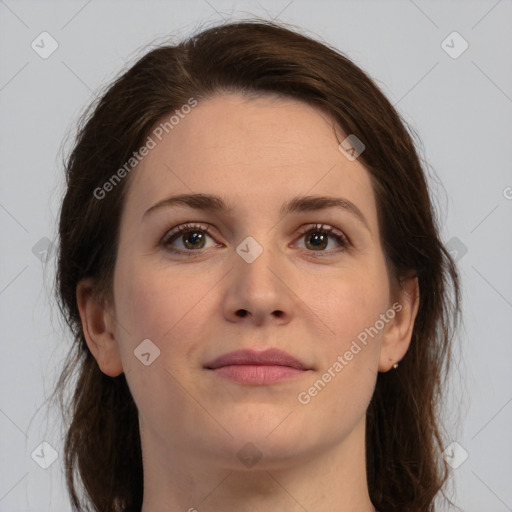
(256, 153)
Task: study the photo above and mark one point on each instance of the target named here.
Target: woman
(253, 274)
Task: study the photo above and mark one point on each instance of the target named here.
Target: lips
(253, 368)
(270, 357)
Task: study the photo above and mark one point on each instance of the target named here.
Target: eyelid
(185, 227)
(327, 228)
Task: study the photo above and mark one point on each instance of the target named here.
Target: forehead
(257, 152)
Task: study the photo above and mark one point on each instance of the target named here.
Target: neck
(331, 479)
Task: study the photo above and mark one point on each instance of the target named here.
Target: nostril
(241, 312)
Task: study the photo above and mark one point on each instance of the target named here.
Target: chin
(273, 443)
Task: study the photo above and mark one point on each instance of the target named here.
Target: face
(310, 281)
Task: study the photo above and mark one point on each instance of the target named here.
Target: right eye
(191, 236)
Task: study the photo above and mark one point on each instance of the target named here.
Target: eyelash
(174, 234)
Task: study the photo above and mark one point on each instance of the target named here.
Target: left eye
(317, 237)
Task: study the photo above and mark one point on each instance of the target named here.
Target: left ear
(397, 337)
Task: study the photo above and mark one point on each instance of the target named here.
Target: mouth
(257, 368)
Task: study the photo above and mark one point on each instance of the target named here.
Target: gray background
(461, 107)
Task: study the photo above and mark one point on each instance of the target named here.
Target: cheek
(338, 394)
(167, 307)
(148, 304)
(139, 303)
(352, 307)
(352, 303)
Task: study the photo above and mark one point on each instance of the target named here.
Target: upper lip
(270, 357)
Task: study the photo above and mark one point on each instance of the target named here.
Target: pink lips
(257, 368)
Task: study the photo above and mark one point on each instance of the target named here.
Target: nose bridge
(256, 286)
(259, 259)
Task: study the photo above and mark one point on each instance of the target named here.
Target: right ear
(98, 325)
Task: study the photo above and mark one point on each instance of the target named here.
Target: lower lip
(258, 374)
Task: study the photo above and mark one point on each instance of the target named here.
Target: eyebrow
(214, 203)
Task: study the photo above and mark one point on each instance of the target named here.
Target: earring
(395, 366)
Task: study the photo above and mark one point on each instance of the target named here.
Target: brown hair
(404, 440)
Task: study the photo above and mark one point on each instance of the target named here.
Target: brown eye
(317, 238)
(191, 237)
(193, 240)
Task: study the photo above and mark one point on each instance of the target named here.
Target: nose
(257, 292)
